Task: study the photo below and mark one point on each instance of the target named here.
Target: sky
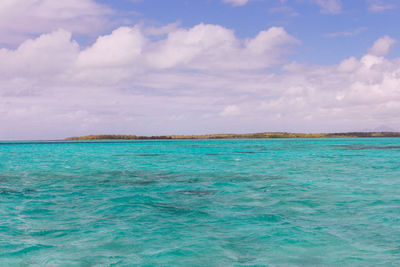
(158, 67)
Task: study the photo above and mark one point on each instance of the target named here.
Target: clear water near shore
(201, 202)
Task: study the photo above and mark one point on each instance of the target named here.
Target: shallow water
(203, 202)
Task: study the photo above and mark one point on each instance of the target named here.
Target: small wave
(27, 250)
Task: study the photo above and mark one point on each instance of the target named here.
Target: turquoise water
(204, 202)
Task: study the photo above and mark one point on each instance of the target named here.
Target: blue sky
(153, 67)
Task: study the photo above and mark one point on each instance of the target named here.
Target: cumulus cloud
(202, 79)
(22, 18)
(46, 55)
(382, 46)
(118, 49)
(205, 47)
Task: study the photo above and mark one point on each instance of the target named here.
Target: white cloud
(22, 18)
(380, 5)
(46, 55)
(236, 2)
(189, 81)
(284, 10)
(231, 110)
(214, 47)
(346, 33)
(118, 49)
(382, 46)
(188, 46)
(330, 6)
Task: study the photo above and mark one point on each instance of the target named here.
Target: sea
(230, 202)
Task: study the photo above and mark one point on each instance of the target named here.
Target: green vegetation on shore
(239, 136)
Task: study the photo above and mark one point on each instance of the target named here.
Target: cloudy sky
(153, 67)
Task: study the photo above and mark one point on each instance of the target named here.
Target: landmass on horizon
(238, 136)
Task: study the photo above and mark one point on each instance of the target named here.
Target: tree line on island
(237, 136)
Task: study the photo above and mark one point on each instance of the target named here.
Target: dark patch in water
(176, 210)
(123, 173)
(273, 177)
(246, 152)
(149, 155)
(28, 191)
(212, 154)
(271, 218)
(256, 147)
(129, 182)
(7, 191)
(197, 146)
(140, 182)
(327, 157)
(3, 178)
(135, 177)
(358, 147)
(252, 178)
(199, 192)
(52, 233)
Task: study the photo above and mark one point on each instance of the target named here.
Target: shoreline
(268, 135)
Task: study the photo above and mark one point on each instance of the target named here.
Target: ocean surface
(279, 202)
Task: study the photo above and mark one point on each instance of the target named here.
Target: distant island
(238, 136)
